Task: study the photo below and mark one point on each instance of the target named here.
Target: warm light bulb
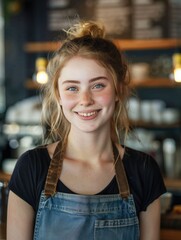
(177, 74)
(42, 77)
(177, 67)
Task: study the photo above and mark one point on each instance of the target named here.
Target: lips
(88, 114)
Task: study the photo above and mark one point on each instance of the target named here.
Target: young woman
(85, 183)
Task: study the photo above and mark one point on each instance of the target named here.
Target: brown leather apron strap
(54, 170)
(121, 177)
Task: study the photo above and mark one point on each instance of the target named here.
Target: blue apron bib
(63, 216)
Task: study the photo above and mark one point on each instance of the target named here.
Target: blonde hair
(86, 39)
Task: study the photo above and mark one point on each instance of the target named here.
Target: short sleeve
(22, 181)
(153, 184)
(29, 176)
(144, 178)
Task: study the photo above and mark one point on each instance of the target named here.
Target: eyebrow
(91, 80)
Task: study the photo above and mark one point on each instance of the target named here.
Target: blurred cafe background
(149, 34)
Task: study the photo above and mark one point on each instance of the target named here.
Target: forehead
(80, 66)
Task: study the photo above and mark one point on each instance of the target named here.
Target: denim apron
(64, 216)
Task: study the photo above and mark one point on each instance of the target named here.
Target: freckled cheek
(106, 99)
(67, 102)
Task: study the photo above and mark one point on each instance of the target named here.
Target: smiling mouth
(88, 114)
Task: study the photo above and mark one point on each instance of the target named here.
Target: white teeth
(87, 114)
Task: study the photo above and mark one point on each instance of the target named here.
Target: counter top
(171, 220)
(4, 177)
(2, 231)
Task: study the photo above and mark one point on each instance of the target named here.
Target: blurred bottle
(157, 153)
(169, 154)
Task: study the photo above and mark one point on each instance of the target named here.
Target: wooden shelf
(173, 184)
(154, 82)
(4, 177)
(147, 83)
(34, 47)
(32, 85)
(147, 44)
(143, 124)
(127, 44)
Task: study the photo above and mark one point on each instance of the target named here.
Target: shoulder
(30, 170)
(31, 164)
(35, 156)
(141, 166)
(138, 159)
(144, 177)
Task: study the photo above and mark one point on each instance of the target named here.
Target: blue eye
(72, 89)
(99, 85)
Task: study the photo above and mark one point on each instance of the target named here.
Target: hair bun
(90, 28)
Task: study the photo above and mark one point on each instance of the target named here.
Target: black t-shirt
(144, 177)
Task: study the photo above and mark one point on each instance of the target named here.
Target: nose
(86, 98)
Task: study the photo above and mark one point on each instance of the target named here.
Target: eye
(99, 85)
(72, 89)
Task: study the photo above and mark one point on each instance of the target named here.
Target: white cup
(134, 109)
(139, 71)
(157, 108)
(146, 110)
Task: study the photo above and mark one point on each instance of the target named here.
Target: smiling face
(87, 94)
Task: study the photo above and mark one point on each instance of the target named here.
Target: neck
(89, 146)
